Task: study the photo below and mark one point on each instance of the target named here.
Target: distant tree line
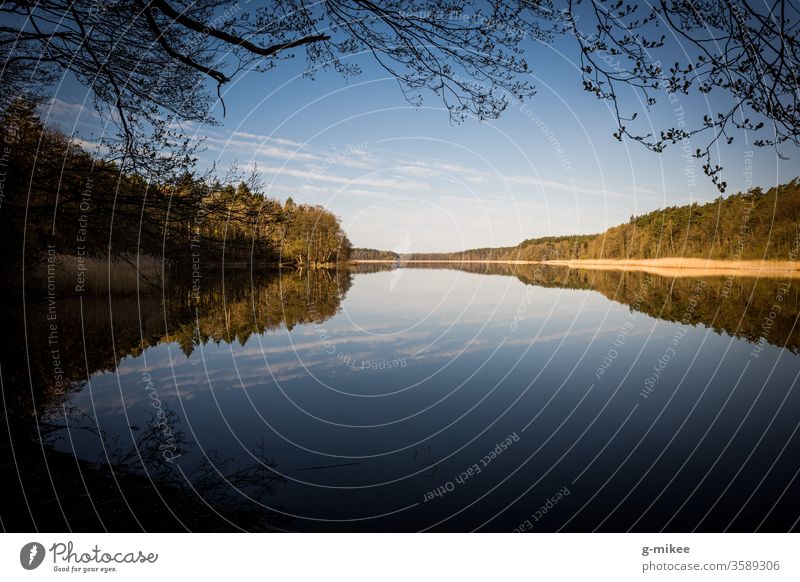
(57, 199)
(747, 226)
(361, 254)
(481, 254)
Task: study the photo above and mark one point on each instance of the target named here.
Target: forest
(361, 254)
(60, 201)
(751, 225)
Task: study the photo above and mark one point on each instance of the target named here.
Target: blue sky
(405, 178)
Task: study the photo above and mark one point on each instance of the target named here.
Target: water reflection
(123, 480)
(741, 306)
(405, 399)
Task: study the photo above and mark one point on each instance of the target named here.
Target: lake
(426, 397)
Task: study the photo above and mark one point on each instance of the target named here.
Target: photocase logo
(31, 555)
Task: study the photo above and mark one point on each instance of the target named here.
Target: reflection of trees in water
(366, 268)
(134, 487)
(239, 310)
(737, 306)
(94, 333)
(131, 486)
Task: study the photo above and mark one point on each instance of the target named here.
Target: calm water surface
(437, 399)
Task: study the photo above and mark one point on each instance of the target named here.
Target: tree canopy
(146, 62)
(154, 65)
(65, 199)
(746, 53)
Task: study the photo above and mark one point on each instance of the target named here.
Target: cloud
(419, 171)
(262, 147)
(445, 170)
(563, 187)
(62, 110)
(357, 192)
(267, 138)
(274, 151)
(319, 176)
(91, 146)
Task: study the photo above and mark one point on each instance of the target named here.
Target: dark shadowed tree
(147, 62)
(744, 53)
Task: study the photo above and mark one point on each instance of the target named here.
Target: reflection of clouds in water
(385, 326)
(251, 372)
(472, 317)
(269, 349)
(456, 331)
(458, 381)
(586, 332)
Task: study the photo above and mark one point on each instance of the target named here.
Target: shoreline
(667, 266)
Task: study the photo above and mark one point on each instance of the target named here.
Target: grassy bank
(690, 267)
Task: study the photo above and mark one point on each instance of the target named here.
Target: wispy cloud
(575, 188)
(91, 146)
(350, 192)
(260, 138)
(64, 111)
(319, 176)
(260, 147)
